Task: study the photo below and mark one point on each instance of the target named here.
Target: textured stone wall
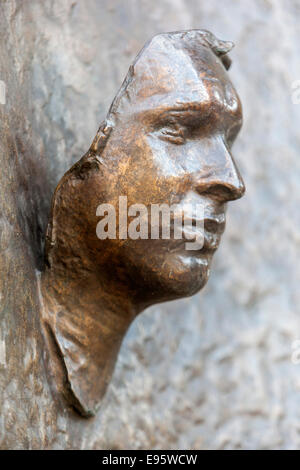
(213, 371)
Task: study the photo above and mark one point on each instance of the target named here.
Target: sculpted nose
(221, 180)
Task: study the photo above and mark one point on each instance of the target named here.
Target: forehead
(212, 95)
(181, 83)
(210, 100)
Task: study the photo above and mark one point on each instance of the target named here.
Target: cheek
(141, 173)
(176, 162)
(166, 157)
(135, 170)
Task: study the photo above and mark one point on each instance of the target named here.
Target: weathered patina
(166, 140)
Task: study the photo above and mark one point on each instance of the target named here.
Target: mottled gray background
(210, 372)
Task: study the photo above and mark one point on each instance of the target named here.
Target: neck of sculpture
(84, 325)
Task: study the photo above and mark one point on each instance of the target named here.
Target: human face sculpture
(166, 140)
(173, 127)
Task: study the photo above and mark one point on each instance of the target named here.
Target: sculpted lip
(215, 223)
(214, 226)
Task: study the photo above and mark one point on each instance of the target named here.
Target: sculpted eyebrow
(188, 114)
(189, 107)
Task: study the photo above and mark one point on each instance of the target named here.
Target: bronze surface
(166, 140)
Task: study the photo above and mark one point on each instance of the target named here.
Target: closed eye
(175, 135)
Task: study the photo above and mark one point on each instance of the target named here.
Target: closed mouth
(206, 232)
(214, 226)
(215, 223)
